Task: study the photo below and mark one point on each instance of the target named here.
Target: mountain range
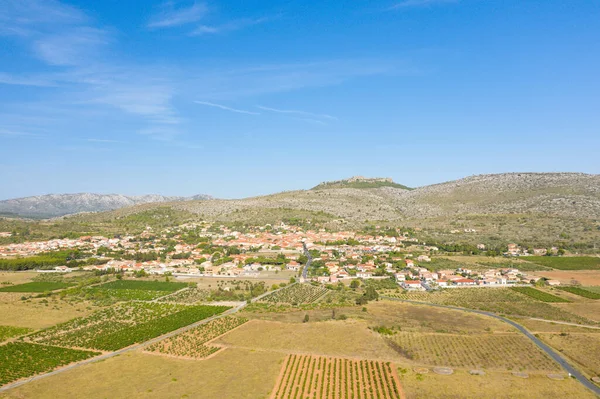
(54, 205)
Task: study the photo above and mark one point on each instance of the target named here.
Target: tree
(354, 284)
(305, 318)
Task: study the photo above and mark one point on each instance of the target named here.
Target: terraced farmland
(502, 352)
(306, 376)
(191, 344)
(123, 325)
(20, 360)
(296, 294)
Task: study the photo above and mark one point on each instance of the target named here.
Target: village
(219, 251)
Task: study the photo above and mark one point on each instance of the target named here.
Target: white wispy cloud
(13, 133)
(296, 112)
(107, 141)
(223, 107)
(171, 16)
(229, 27)
(26, 17)
(421, 3)
(39, 81)
(74, 47)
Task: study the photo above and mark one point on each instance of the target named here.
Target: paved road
(133, 347)
(308, 262)
(549, 351)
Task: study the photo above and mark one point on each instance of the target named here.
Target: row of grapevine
(496, 300)
(539, 295)
(296, 294)
(191, 295)
(191, 344)
(20, 360)
(581, 292)
(505, 352)
(306, 376)
(123, 325)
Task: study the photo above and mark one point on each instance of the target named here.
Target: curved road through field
(308, 262)
(549, 351)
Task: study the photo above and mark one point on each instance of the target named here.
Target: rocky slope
(53, 205)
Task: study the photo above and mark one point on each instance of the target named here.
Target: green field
(19, 360)
(37, 286)
(581, 292)
(567, 262)
(143, 285)
(539, 295)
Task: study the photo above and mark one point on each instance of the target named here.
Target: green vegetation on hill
(359, 184)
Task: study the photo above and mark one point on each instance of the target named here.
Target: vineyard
(306, 376)
(581, 292)
(583, 348)
(118, 295)
(20, 360)
(191, 344)
(7, 332)
(567, 262)
(539, 295)
(144, 285)
(191, 295)
(507, 352)
(37, 286)
(296, 294)
(496, 300)
(123, 325)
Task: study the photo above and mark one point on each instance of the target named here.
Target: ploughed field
(306, 376)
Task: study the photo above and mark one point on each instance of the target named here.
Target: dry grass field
(17, 278)
(351, 339)
(583, 277)
(322, 377)
(492, 385)
(405, 316)
(230, 374)
(490, 351)
(584, 349)
(36, 313)
(589, 309)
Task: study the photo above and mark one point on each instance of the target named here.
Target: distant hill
(535, 208)
(54, 205)
(360, 182)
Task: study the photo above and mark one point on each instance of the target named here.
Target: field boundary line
(565, 323)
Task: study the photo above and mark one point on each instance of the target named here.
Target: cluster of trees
(47, 260)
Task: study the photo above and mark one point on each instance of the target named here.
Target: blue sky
(236, 99)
